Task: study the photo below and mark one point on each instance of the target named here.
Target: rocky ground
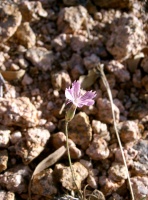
(45, 46)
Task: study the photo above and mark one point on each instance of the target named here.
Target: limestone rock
(80, 128)
(30, 146)
(40, 57)
(10, 20)
(18, 112)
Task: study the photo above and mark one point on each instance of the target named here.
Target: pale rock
(4, 136)
(60, 42)
(79, 128)
(127, 37)
(108, 186)
(15, 137)
(119, 70)
(40, 57)
(59, 139)
(32, 144)
(140, 187)
(7, 195)
(105, 112)
(128, 131)
(78, 42)
(18, 112)
(43, 184)
(32, 11)
(11, 21)
(60, 80)
(23, 62)
(15, 179)
(64, 176)
(117, 172)
(98, 149)
(27, 80)
(140, 164)
(92, 178)
(98, 126)
(144, 64)
(91, 61)
(3, 160)
(25, 35)
(70, 19)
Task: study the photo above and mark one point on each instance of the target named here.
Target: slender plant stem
(69, 159)
(115, 127)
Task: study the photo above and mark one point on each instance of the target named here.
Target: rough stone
(40, 57)
(98, 149)
(70, 19)
(30, 146)
(104, 111)
(27, 80)
(140, 187)
(18, 112)
(16, 179)
(91, 61)
(3, 160)
(4, 136)
(129, 131)
(119, 70)
(6, 195)
(25, 35)
(60, 80)
(64, 175)
(78, 42)
(11, 20)
(80, 130)
(127, 37)
(43, 184)
(59, 139)
(59, 42)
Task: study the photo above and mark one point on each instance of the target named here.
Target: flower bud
(70, 113)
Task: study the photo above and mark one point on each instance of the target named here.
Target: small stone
(18, 112)
(80, 128)
(6, 195)
(27, 80)
(117, 172)
(63, 174)
(91, 61)
(105, 111)
(25, 35)
(98, 149)
(70, 19)
(78, 42)
(43, 184)
(60, 80)
(15, 137)
(140, 187)
(129, 131)
(4, 136)
(30, 146)
(127, 37)
(40, 57)
(119, 70)
(98, 127)
(16, 179)
(59, 139)
(59, 43)
(11, 21)
(137, 78)
(3, 160)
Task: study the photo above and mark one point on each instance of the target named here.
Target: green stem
(69, 159)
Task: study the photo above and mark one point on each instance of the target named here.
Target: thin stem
(115, 127)
(69, 159)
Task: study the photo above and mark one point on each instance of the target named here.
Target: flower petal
(76, 89)
(69, 94)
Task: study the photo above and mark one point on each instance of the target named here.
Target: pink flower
(78, 96)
